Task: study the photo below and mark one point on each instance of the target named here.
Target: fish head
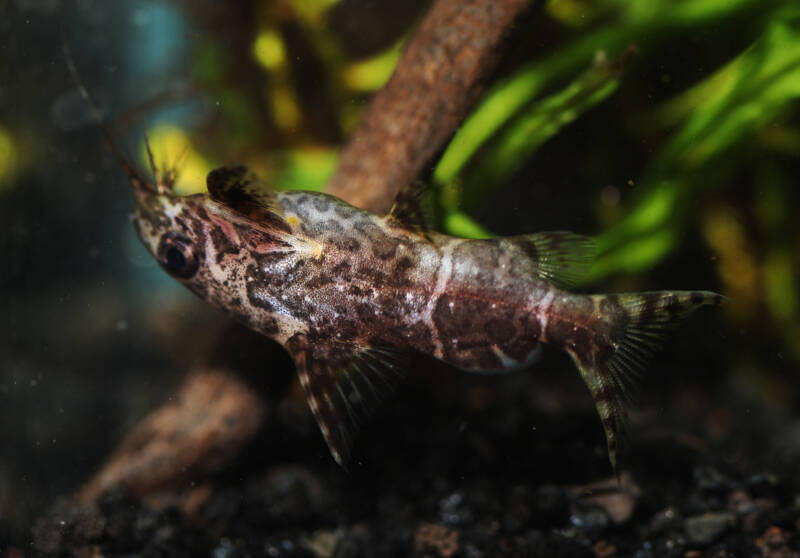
(185, 233)
(173, 229)
(221, 244)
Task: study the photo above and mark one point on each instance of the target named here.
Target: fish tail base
(629, 329)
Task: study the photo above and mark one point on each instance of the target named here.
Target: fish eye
(177, 256)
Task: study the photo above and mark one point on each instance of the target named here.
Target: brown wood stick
(437, 81)
(202, 428)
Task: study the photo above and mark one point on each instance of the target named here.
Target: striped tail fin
(630, 329)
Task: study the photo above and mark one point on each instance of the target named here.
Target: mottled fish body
(348, 292)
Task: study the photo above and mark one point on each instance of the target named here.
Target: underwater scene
(367, 278)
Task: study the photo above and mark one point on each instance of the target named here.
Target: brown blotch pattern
(222, 244)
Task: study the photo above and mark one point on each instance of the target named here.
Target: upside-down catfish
(347, 292)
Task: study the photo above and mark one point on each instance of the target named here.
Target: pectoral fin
(344, 384)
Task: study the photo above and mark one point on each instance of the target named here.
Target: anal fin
(344, 384)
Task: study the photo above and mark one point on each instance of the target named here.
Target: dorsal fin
(243, 191)
(344, 384)
(561, 257)
(409, 209)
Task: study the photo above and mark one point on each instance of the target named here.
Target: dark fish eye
(174, 258)
(176, 255)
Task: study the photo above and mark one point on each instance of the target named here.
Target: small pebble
(664, 520)
(706, 528)
(224, 549)
(617, 497)
(604, 549)
(592, 521)
(645, 552)
(455, 510)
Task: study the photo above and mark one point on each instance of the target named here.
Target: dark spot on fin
(561, 257)
(344, 384)
(629, 330)
(243, 191)
(411, 208)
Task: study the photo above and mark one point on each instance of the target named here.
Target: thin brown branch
(437, 81)
(214, 414)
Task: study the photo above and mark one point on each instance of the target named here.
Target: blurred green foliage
(735, 102)
(8, 157)
(514, 120)
(509, 138)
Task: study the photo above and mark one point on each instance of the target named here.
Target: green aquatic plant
(732, 104)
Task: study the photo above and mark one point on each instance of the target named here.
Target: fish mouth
(154, 214)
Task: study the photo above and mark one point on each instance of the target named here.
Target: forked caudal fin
(629, 330)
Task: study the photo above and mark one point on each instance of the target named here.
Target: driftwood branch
(437, 81)
(214, 414)
(204, 426)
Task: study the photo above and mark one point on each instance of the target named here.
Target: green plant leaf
(746, 95)
(534, 125)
